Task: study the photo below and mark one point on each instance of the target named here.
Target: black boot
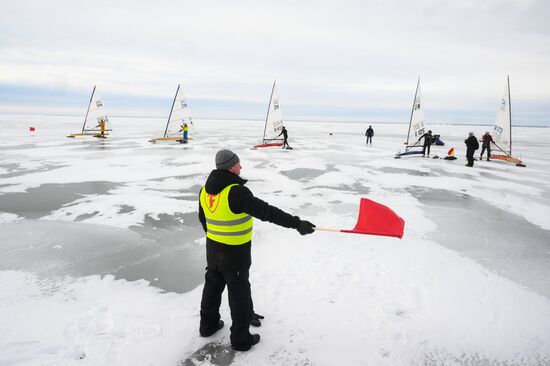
(209, 332)
(254, 339)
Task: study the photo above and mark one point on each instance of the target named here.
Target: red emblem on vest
(212, 201)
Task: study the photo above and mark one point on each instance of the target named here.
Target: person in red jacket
(486, 145)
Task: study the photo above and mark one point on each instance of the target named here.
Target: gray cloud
(356, 54)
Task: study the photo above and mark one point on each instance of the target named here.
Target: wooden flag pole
(317, 228)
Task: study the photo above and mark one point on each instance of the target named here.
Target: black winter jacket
(224, 257)
(471, 143)
(428, 138)
(284, 132)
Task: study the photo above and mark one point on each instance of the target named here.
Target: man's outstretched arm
(241, 199)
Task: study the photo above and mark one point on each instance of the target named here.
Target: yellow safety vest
(222, 224)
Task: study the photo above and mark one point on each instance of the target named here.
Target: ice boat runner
(273, 122)
(416, 126)
(96, 122)
(502, 130)
(178, 119)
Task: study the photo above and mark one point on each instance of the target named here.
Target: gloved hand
(305, 227)
(256, 320)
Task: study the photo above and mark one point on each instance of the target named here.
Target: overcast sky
(350, 60)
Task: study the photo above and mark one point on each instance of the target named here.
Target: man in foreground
(226, 208)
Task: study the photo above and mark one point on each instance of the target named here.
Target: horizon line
(300, 120)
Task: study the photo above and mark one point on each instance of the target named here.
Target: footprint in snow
(216, 353)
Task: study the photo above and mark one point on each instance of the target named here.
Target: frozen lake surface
(102, 251)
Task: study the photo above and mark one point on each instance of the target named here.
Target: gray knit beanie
(226, 159)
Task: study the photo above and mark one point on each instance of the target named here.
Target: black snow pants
(483, 148)
(240, 303)
(285, 143)
(470, 156)
(426, 147)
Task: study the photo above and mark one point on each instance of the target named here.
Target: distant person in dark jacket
(486, 145)
(226, 212)
(471, 146)
(284, 132)
(428, 140)
(369, 134)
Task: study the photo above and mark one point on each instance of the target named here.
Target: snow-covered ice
(102, 256)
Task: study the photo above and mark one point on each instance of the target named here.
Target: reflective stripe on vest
(222, 224)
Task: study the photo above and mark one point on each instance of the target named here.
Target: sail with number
(417, 125)
(502, 129)
(180, 114)
(95, 114)
(273, 121)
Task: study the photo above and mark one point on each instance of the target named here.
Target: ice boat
(180, 113)
(502, 130)
(95, 114)
(273, 122)
(417, 127)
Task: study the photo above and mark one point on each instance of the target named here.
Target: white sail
(274, 118)
(417, 126)
(180, 114)
(96, 112)
(502, 130)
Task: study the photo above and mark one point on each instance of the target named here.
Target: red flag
(377, 219)
(32, 129)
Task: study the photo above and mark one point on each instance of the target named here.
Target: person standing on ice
(284, 132)
(486, 145)
(101, 126)
(471, 146)
(369, 134)
(428, 139)
(226, 208)
(185, 129)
